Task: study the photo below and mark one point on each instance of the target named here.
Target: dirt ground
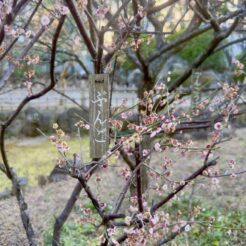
(46, 202)
(42, 203)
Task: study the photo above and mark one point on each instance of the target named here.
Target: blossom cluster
(59, 139)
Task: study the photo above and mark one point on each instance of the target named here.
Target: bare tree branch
(182, 186)
(203, 56)
(60, 220)
(25, 26)
(10, 17)
(9, 172)
(81, 28)
(12, 66)
(161, 6)
(188, 36)
(222, 47)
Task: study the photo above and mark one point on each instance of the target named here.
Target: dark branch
(185, 183)
(81, 28)
(203, 56)
(10, 174)
(60, 220)
(186, 37)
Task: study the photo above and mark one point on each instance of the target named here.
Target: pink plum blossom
(45, 20)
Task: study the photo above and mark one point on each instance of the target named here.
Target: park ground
(39, 156)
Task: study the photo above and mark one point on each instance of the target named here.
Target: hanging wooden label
(99, 114)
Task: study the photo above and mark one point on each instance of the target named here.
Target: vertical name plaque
(99, 114)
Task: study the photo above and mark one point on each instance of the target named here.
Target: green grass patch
(226, 229)
(228, 226)
(39, 159)
(73, 234)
